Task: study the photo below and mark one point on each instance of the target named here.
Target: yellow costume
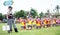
(29, 22)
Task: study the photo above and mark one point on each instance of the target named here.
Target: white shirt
(9, 12)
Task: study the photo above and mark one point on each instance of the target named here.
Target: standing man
(10, 19)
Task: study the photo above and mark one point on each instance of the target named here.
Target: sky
(39, 5)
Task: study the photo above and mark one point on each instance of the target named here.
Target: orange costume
(38, 23)
(54, 21)
(45, 22)
(29, 22)
(22, 23)
(34, 22)
(48, 21)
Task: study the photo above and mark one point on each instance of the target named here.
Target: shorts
(22, 27)
(37, 27)
(30, 26)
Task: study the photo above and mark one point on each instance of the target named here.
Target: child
(34, 23)
(23, 24)
(58, 22)
(48, 23)
(29, 24)
(44, 23)
(54, 22)
(38, 23)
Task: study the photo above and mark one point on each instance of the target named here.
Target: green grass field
(42, 31)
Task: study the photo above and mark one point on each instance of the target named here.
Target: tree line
(32, 12)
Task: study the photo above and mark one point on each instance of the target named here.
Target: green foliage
(57, 7)
(1, 16)
(33, 12)
(41, 15)
(47, 13)
(20, 13)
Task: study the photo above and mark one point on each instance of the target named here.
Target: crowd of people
(38, 23)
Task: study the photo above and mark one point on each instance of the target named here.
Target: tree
(57, 11)
(1, 16)
(57, 8)
(41, 15)
(48, 14)
(20, 13)
(4, 16)
(33, 12)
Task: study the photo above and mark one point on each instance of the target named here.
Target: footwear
(9, 31)
(15, 29)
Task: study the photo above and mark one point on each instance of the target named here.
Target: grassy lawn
(42, 31)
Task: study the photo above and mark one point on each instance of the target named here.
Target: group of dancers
(38, 23)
